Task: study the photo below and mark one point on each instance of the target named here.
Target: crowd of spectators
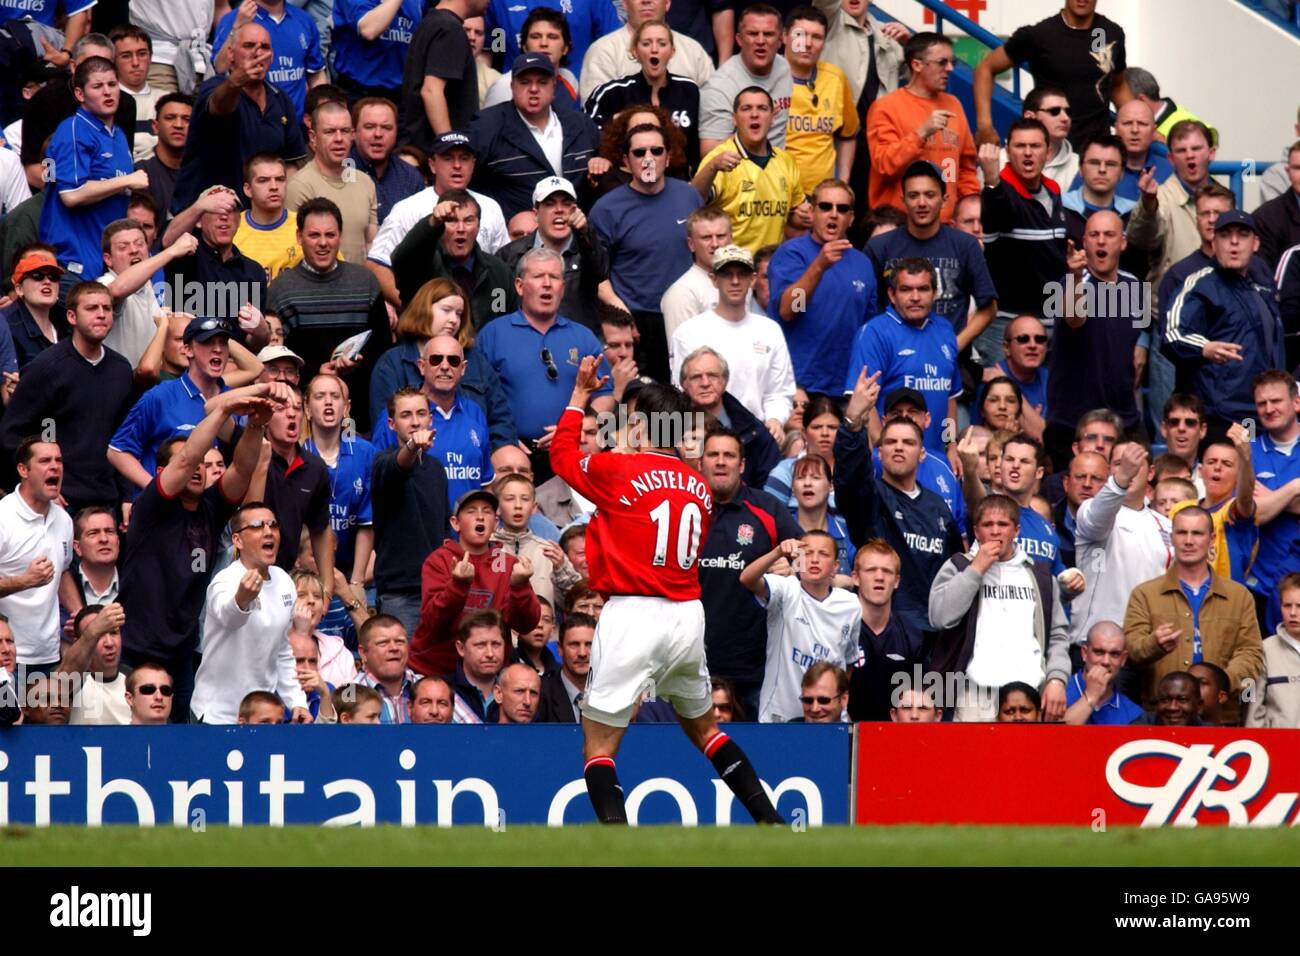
(996, 425)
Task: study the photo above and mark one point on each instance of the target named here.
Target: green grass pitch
(651, 846)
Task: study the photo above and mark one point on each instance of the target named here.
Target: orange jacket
(892, 122)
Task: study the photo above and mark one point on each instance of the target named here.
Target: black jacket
(762, 453)
(510, 162)
(1024, 244)
(554, 706)
(892, 661)
(1278, 222)
(419, 257)
(586, 266)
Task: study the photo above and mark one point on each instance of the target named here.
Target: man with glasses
(823, 694)
(641, 226)
(250, 605)
(1183, 428)
(536, 351)
(1024, 352)
(1099, 431)
(821, 291)
(704, 376)
(1100, 168)
(956, 256)
(149, 692)
(921, 121)
(1051, 106)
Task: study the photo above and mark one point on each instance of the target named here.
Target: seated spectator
(306, 668)
(755, 181)
(1093, 695)
(915, 706)
(704, 376)
(322, 302)
(480, 647)
(149, 693)
(446, 245)
(358, 704)
(921, 121)
(531, 646)
(1223, 628)
(431, 701)
(1177, 701)
(823, 694)
(375, 120)
(266, 233)
(244, 629)
(552, 575)
(516, 693)
(498, 581)
(93, 660)
(97, 545)
(1019, 703)
(260, 707)
(1276, 698)
(1214, 685)
(583, 599)
(1000, 617)
(383, 647)
(563, 688)
(563, 227)
(37, 318)
(807, 619)
(440, 308)
(91, 169)
(890, 646)
(727, 707)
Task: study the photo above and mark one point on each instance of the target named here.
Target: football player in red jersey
(652, 511)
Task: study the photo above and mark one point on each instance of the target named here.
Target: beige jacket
(1276, 701)
(848, 47)
(548, 578)
(1169, 233)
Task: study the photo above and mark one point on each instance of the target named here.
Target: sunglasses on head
(823, 701)
(842, 208)
(258, 523)
(148, 690)
(435, 360)
(1026, 338)
(640, 151)
(1055, 110)
(551, 371)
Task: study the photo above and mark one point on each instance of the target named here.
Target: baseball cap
(476, 494)
(923, 167)
(205, 329)
(1235, 217)
(900, 395)
(272, 352)
(552, 185)
(452, 139)
(35, 261)
(733, 254)
(532, 61)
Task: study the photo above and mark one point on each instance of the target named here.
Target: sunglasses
(148, 690)
(1190, 422)
(823, 701)
(640, 151)
(552, 372)
(258, 523)
(842, 208)
(44, 275)
(435, 360)
(1104, 439)
(1027, 338)
(1055, 110)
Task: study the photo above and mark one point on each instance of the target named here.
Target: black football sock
(603, 789)
(738, 773)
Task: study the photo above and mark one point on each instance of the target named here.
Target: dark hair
(88, 512)
(579, 592)
(894, 420)
(570, 533)
(325, 93)
(664, 400)
(1102, 140)
(1024, 438)
(1003, 503)
(912, 265)
(462, 197)
(1098, 415)
(115, 227)
(129, 31)
(613, 136)
(757, 10)
(167, 449)
(638, 130)
(140, 199)
(553, 17)
(1168, 465)
(764, 254)
(608, 314)
(170, 98)
(320, 206)
(1040, 92)
(819, 405)
(1003, 380)
(919, 45)
(378, 620)
(1197, 510)
(718, 430)
(1188, 127)
(806, 12)
(349, 697)
(246, 507)
(1220, 675)
(79, 621)
(89, 67)
(728, 688)
(884, 216)
(1212, 190)
(421, 161)
(132, 683)
(263, 157)
(1275, 376)
(576, 619)
(1006, 690)
(1028, 123)
(83, 289)
(478, 619)
(735, 102)
(814, 673)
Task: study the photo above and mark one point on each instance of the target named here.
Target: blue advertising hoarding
(409, 775)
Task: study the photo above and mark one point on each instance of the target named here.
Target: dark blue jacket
(510, 162)
(1288, 294)
(396, 369)
(900, 650)
(735, 628)
(1219, 305)
(761, 452)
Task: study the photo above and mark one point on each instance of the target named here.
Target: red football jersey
(652, 513)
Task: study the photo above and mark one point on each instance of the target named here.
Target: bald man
(517, 692)
(1135, 125)
(1092, 695)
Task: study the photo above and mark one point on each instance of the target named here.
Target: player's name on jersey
(658, 479)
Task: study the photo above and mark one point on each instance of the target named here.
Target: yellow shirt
(757, 199)
(275, 248)
(811, 131)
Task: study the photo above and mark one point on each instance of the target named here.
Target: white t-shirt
(800, 632)
(692, 293)
(1006, 649)
(101, 703)
(33, 613)
(13, 182)
(245, 650)
(133, 326)
(762, 376)
(407, 213)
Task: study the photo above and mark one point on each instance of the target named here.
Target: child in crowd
(552, 571)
